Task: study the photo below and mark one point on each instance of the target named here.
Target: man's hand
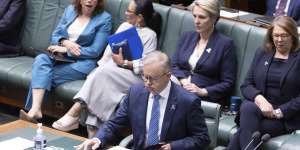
(165, 147)
(94, 143)
(72, 46)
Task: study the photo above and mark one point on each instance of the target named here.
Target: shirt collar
(165, 92)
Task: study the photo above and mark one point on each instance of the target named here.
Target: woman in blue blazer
(205, 61)
(272, 86)
(81, 35)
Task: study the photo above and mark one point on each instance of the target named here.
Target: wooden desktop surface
(8, 127)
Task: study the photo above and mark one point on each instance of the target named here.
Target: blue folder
(129, 41)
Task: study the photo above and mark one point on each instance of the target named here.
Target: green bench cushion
(16, 71)
(41, 18)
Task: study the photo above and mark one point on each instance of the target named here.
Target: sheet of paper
(228, 14)
(118, 148)
(16, 143)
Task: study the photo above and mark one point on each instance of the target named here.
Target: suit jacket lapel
(267, 61)
(169, 112)
(191, 48)
(141, 118)
(290, 62)
(207, 51)
(3, 7)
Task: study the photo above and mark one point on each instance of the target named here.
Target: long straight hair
(152, 19)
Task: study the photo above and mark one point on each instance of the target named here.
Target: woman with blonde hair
(205, 62)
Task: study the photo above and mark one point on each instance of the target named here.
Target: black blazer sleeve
(197, 137)
(228, 72)
(291, 108)
(290, 90)
(180, 70)
(12, 16)
(248, 88)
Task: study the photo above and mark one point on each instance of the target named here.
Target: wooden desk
(9, 127)
(241, 16)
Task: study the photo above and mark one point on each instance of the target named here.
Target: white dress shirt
(286, 7)
(162, 103)
(194, 58)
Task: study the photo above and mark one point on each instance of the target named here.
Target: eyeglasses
(130, 11)
(152, 79)
(283, 36)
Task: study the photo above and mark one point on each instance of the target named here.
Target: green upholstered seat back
(246, 39)
(255, 39)
(212, 112)
(41, 18)
(175, 27)
(164, 12)
(113, 7)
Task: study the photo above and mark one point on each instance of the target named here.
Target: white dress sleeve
(149, 40)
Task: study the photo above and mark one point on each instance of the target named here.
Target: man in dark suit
(11, 17)
(289, 8)
(157, 112)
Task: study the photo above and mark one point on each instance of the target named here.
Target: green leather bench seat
(227, 128)
(16, 71)
(292, 143)
(68, 90)
(212, 112)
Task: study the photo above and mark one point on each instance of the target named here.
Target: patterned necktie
(154, 122)
(280, 10)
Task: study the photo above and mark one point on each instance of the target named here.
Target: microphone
(264, 138)
(255, 135)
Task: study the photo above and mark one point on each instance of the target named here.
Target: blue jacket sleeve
(59, 31)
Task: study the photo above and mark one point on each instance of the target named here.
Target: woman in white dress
(109, 82)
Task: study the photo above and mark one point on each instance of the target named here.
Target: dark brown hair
(98, 8)
(288, 25)
(152, 18)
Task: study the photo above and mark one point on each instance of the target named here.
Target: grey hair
(158, 57)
